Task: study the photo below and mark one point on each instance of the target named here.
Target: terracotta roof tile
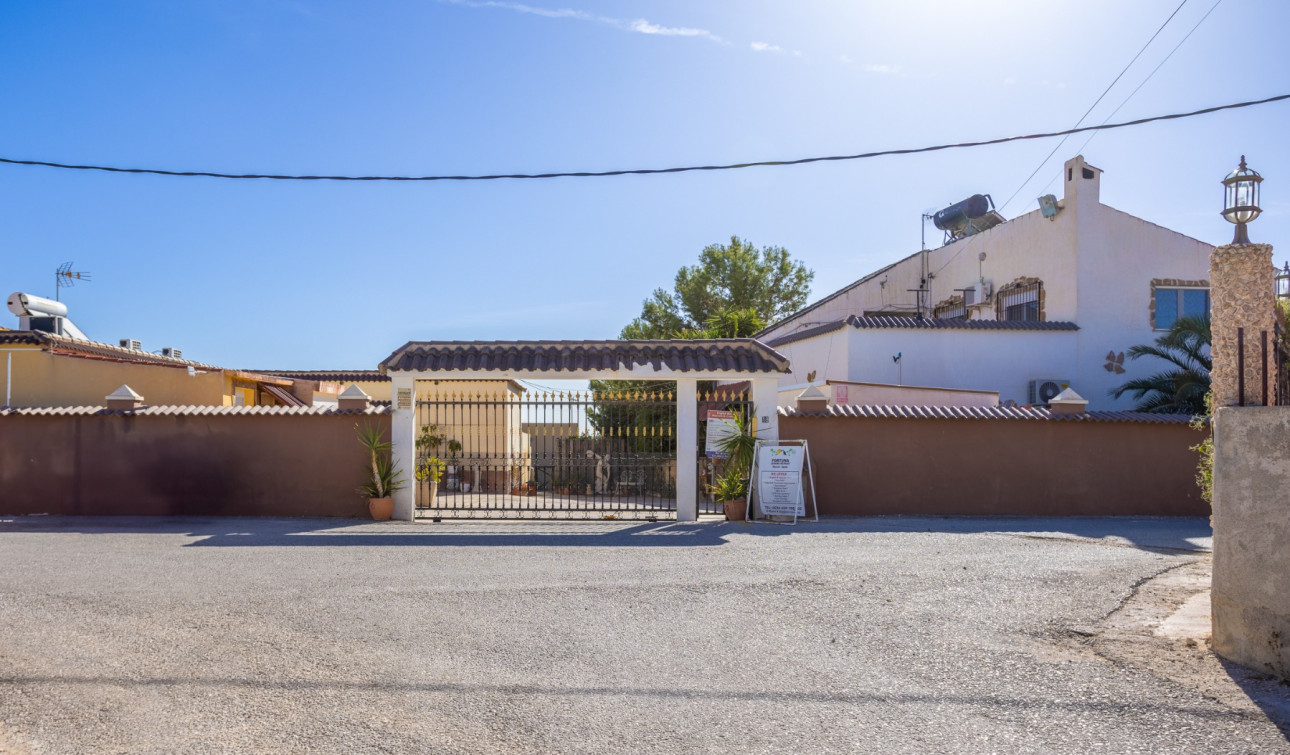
(329, 376)
(727, 355)
(985, 413)
(186, 411)
(927, 323)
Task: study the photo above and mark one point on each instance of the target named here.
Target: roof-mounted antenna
(66, 277)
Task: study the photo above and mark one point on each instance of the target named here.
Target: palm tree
(1182, 389)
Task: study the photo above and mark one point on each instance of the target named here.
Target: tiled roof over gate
(718, 355)
(927, 323)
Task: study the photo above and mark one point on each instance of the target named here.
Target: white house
(1025, 307)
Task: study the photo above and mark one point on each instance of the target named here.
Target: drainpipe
(8, 374)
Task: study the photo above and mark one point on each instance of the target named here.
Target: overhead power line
(1186, 37)
(652, 171)
(1100, 97)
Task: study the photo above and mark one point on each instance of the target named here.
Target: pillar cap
(124, 393)
(354, 392)
(1068, 402)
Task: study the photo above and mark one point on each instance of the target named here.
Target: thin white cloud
(766, 47)
(881, 68)
(637, 25)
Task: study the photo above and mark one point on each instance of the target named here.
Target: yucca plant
(738, 448)
(730, 485)
(383, 478)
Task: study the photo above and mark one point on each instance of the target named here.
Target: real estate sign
(779, 480)
(721, 425)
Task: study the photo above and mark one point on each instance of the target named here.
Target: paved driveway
(866, 635)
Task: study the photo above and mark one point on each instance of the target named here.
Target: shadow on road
(473, 690)
(1271, 694)
(1149, 533)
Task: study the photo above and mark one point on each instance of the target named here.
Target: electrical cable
(653, 171)
(1144, 82)
(1123, 71)
(1107, 119)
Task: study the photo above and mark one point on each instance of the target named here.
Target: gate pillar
(765, 396)
(687, 450)
(403, 435)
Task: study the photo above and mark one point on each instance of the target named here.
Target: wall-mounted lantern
(1282, 279)
(1241, 199)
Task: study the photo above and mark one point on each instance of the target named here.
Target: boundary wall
(227, 461)
(1031, 465)
(1251, 583)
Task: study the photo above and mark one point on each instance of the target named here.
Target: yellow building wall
(44, 379)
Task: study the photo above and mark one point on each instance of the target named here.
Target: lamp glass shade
(1241, 194)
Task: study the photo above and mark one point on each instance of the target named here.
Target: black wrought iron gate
(499, 451)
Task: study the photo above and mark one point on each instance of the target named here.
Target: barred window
(1020, 303)
(952, 310)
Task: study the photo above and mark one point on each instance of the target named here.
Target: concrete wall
(1016, 467)
(882, 394)
(826, 355)
(44, 379)
(1004, 361)
(230, 464)
(1251, 583)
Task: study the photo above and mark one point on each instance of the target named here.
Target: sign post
(780, 477)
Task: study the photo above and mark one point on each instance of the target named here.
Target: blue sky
(261, 274)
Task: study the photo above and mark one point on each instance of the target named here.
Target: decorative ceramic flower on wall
(1114, 362)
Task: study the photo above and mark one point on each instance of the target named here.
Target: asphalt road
(890, 635)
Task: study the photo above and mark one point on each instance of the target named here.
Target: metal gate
(508, 453)
(724, 398)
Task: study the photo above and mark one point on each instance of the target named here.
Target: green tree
(1181, 389)
(733, 292)
(732, 284)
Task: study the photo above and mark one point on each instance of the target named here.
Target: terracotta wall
(243, 465)
(870, 466)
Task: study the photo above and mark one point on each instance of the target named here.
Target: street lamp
(1241, 199)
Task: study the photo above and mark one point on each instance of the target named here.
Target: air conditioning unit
(981, 291)
(1046, 389)
(167, 351)
(131, 344)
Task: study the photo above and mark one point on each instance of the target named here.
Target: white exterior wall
(1028, 246)
(1119, 256)
(882, 394)
(1096, 264)
(826, 355)
(981, 360)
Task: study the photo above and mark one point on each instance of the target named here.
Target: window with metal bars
(1020, 303)
(954, 309)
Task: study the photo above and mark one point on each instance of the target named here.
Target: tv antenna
(66, 277)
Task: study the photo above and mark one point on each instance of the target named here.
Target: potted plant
(431, 471)
(382, 476)
(731, 487)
